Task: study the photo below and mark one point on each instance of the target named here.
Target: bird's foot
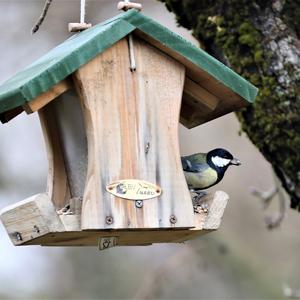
(198, 204)
(66, 210)
(197, 200)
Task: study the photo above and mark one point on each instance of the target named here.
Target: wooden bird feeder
(111, 134)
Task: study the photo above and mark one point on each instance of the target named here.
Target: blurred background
(242, 260)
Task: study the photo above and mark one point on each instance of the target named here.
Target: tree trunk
(260, 41)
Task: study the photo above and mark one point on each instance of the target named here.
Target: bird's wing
(194, 163)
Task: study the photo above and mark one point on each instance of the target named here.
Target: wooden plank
(199, 94)
(132, 125)
(65, 229)
(198, 116)
(205, 223)
(72, 219)
(211, 221)
(216, 211)
(46, 97)
(216, 203)
(72, 136)
(195, 73)
(192, 112)
(123, 5)
(231, 100)
(9, 115)
(124, 237)
(57, 182)
(75, 27)
(30, 219)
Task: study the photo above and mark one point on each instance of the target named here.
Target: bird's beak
(235, 162)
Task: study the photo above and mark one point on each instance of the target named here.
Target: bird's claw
(198, 198)
(198, 204)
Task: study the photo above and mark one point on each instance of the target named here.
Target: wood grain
(132, 130)
(30, 219)
(75, 27)
(46, 97)
(72, 136)
(38, 212)
(229, 100)
(199, 94)
(204, 223)
(216, 211)
(124, 237)
(72, 219)
(57, 182)
(197, 104)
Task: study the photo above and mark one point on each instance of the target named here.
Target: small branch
(275, 220)
(265, 196)
(42, 17)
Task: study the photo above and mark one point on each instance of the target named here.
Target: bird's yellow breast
(201, 180)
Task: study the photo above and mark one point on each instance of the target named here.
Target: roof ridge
(80, 48)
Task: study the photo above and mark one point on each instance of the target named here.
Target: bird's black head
(220, 159)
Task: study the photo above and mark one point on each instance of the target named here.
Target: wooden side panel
(199, 95)
(229, 101)
(71, 130)
(197, 104)
(57, 185)
(132, 130)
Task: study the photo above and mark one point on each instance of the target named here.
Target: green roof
(82, 47)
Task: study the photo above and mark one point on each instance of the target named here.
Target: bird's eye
(227, 156)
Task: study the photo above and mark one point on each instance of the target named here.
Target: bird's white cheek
(220, 162)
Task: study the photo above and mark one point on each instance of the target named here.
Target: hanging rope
(82, 11)
(42, 17)
(131, 54)
(131, 50)
(125, 5)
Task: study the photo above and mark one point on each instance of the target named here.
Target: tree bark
(260, 41)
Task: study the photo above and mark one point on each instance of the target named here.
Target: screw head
(147, 148)
(109, 220)
(139, 203)
(36, 229)
(17, 235)
(173, 219)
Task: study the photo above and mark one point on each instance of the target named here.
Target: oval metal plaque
(134, 189)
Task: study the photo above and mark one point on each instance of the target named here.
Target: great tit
(203, 170)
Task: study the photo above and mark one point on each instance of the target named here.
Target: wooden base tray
(34, 221)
